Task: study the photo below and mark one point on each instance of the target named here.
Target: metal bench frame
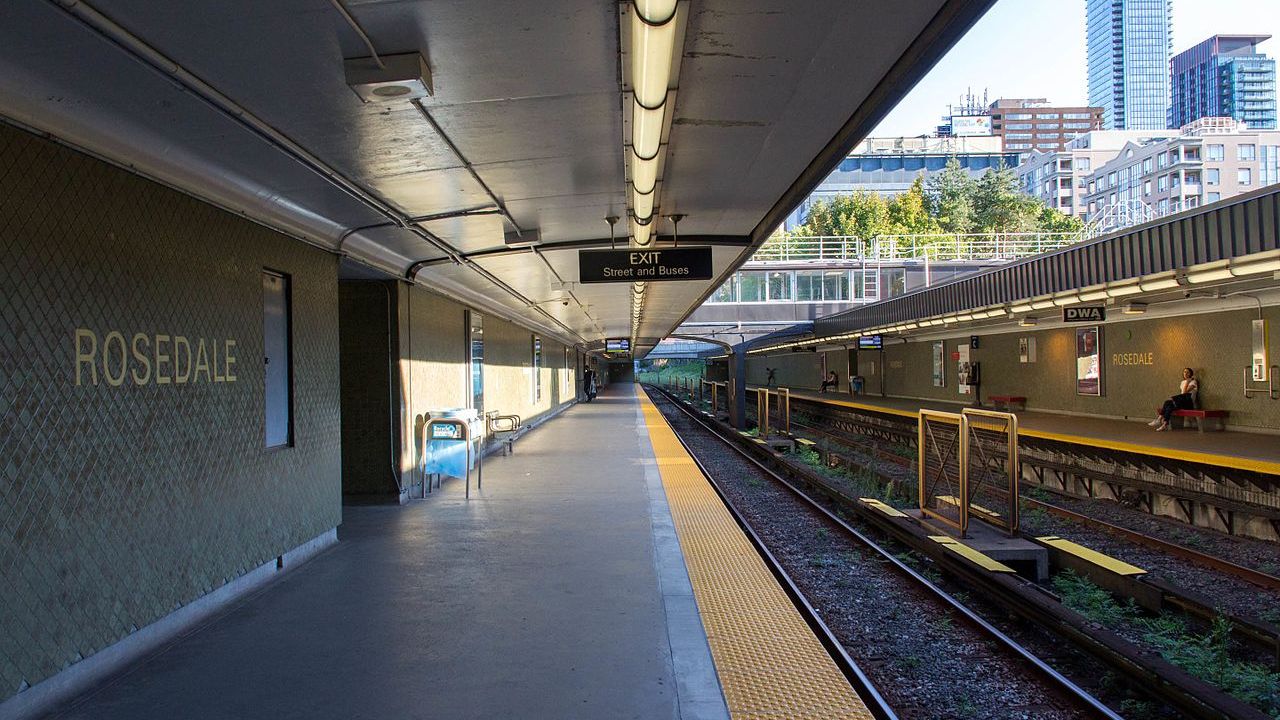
(505, 429)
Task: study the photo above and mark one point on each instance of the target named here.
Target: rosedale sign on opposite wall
(146, 358)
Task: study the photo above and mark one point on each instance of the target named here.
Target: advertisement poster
(962, 125)
(939, 366)
(1089, 361)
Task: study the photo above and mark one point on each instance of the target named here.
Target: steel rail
(1154, 674)
(1255, 577)
(1053, 676)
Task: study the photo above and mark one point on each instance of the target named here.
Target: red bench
(1200, 415)
(1006, 400)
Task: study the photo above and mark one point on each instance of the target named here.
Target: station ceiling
(246, 104)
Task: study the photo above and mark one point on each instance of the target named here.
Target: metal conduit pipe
(422, 110)
(355, 25)
(157, 61)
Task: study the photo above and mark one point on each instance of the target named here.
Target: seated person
(832, 381)
(1184, 400)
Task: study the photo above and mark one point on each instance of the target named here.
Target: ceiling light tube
(653, 33)
(1134, 308)
(642, 203)
(1093, 295)
(644, 173)
(1067, 299)
(1123, 290)
(1042, 304)
(642, 233)
(1196, 277)
(1022, 308)
(1166, 283)
(1256, 267)
(646, 129)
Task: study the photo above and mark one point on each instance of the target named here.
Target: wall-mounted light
(1027, 322)
(1134, 308)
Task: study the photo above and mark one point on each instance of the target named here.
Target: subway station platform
(559, 590)
(1236, 450)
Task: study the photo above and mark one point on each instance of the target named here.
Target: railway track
(1199, 592)
(930, 599)
(1192, 696)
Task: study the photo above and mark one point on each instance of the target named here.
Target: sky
(1036, 48)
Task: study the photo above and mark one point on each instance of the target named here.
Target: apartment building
(1060, 178)
(1208, 160)
(1031, 124)
(1224, 76)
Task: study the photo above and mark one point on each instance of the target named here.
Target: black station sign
(1084, 313)
(648, 265)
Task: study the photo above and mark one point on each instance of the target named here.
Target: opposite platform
(1230, 449)
(556, 592)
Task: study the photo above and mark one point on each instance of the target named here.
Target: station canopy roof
(486, 188)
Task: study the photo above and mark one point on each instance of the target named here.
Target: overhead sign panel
(648, 265)
(617, 345)
(1084, 313)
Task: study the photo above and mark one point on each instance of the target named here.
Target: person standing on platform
(773, 377)
(589, 384)
(1184, 400)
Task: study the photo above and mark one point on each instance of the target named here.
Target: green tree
(860, 214)
(909, 211)
(999, 207)
(950, 194)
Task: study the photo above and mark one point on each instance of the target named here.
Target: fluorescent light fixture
(1165, 283)
(644, 173)
(1134, 308)
(1093, 295)
(1027, 322)
(965, 317)
(1256, 267)
(646, 129)
(642, 233)
(1067, 299)
(1042, 304)
(1022, 308)
(998, 312)
(1131, 288)
(642, 204)
(949, 319)
(1195, 277)
(653, 33)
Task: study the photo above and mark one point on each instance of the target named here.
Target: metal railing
(936, 247)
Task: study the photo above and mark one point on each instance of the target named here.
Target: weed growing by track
(1206, 656)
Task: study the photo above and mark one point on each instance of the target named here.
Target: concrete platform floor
(553, 593)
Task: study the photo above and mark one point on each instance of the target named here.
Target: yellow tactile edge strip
(770, 663)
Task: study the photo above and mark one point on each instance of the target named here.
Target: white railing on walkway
(940, 247)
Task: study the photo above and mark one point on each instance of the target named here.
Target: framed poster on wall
(939, 365)
(1089, 361)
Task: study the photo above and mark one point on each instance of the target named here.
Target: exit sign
(647, 265)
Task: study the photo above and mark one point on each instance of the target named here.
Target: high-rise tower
(1225, 76)
(1129, 46)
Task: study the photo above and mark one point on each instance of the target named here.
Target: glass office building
(1225, 76)
(1129, 43)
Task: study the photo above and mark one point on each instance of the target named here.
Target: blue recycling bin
(451, 443)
